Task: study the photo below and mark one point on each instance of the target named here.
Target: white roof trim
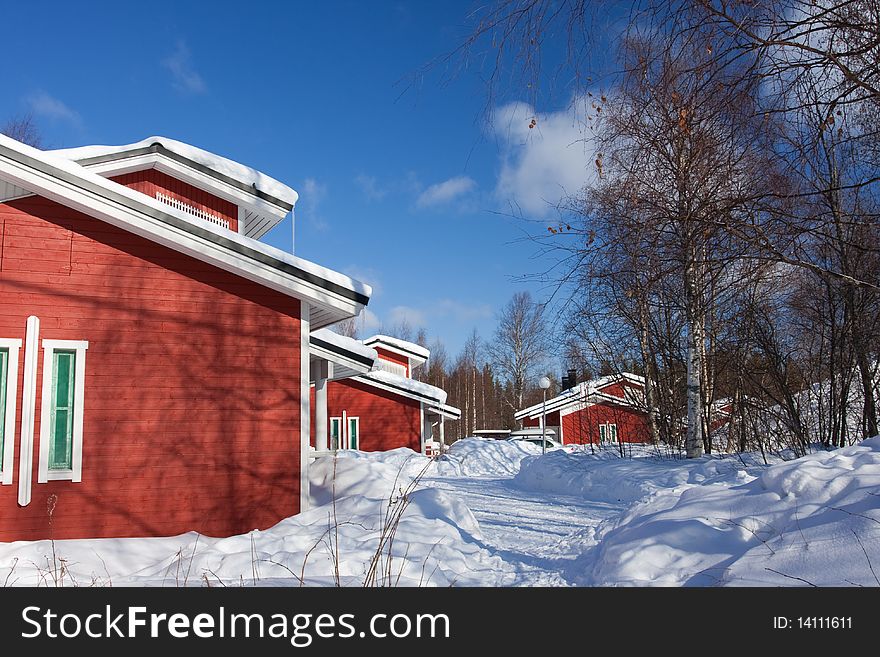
(583, 394)
(404, 387)
(70, 184)
(245, 175)
(416, 353)
(445, 410)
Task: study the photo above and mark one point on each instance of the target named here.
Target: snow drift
(814, 520)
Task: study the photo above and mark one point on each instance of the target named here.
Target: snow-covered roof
(586, 391)
(405, 386)
(332, 296)
(414, 351)
(86, 155)
(348, 356)
(262, 201)
(345, 344)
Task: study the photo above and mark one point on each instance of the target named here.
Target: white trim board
(8, 456)
(305, 409)
(28, 411)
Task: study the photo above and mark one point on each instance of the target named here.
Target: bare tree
(520, 345)
(23, 128)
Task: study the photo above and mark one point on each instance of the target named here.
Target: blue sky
(405, 186)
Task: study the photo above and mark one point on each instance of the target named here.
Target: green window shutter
(613, 433)
(4, 367)
(61, 429)
(335, 423)
(353, 426)
(602, 434)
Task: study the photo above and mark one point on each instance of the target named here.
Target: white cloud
(541, 165)
(42, 104)
(461, 312)
(313, 193)
(446, 191)
(185, 78)
(412, 316)
(370, 187)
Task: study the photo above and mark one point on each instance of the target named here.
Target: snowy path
(545, 541)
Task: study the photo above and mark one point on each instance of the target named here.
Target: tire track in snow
(546, 540)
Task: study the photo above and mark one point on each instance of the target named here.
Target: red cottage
(604, 410)
(381, 409)
(154, 357)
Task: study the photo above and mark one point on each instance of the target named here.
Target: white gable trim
(137, 213)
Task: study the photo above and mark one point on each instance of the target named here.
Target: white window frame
(8, 456)
(75, 473)
(340, 436)
(606, 428)
(357, 421)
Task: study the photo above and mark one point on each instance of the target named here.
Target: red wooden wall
(552, 420)
(582, 427)
(387, 420)
(151, 181)
(390, 356)
(191, 421)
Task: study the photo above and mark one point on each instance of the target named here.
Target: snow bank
(437, 542)
(484, 457)
(812, 520)
(606, 477)
(377, 475)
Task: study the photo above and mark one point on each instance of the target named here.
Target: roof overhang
(259, 211)
(331, 296)
(584, 395)
(415, 358)
(444, 411)
(402, 388)
(345, 360)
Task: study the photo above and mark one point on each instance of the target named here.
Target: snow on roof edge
(75, 169)
(343, 342)
(405, 345)
(410, 385)
(584, 388)
(231, 168)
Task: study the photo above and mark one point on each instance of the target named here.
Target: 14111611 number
(825, 622)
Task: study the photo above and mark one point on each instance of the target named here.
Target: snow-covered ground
(497, 513)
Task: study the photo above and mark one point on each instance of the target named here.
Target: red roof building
(608, 410)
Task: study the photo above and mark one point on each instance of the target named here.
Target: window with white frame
(335, 432)
(61, 418)
(8, 381)
(608, 432)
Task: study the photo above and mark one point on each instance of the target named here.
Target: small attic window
(190, 209)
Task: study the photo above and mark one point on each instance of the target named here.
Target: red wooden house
(604, 410)
(154, 357)
(381, 409)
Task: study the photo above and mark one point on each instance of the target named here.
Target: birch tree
(519, 347)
